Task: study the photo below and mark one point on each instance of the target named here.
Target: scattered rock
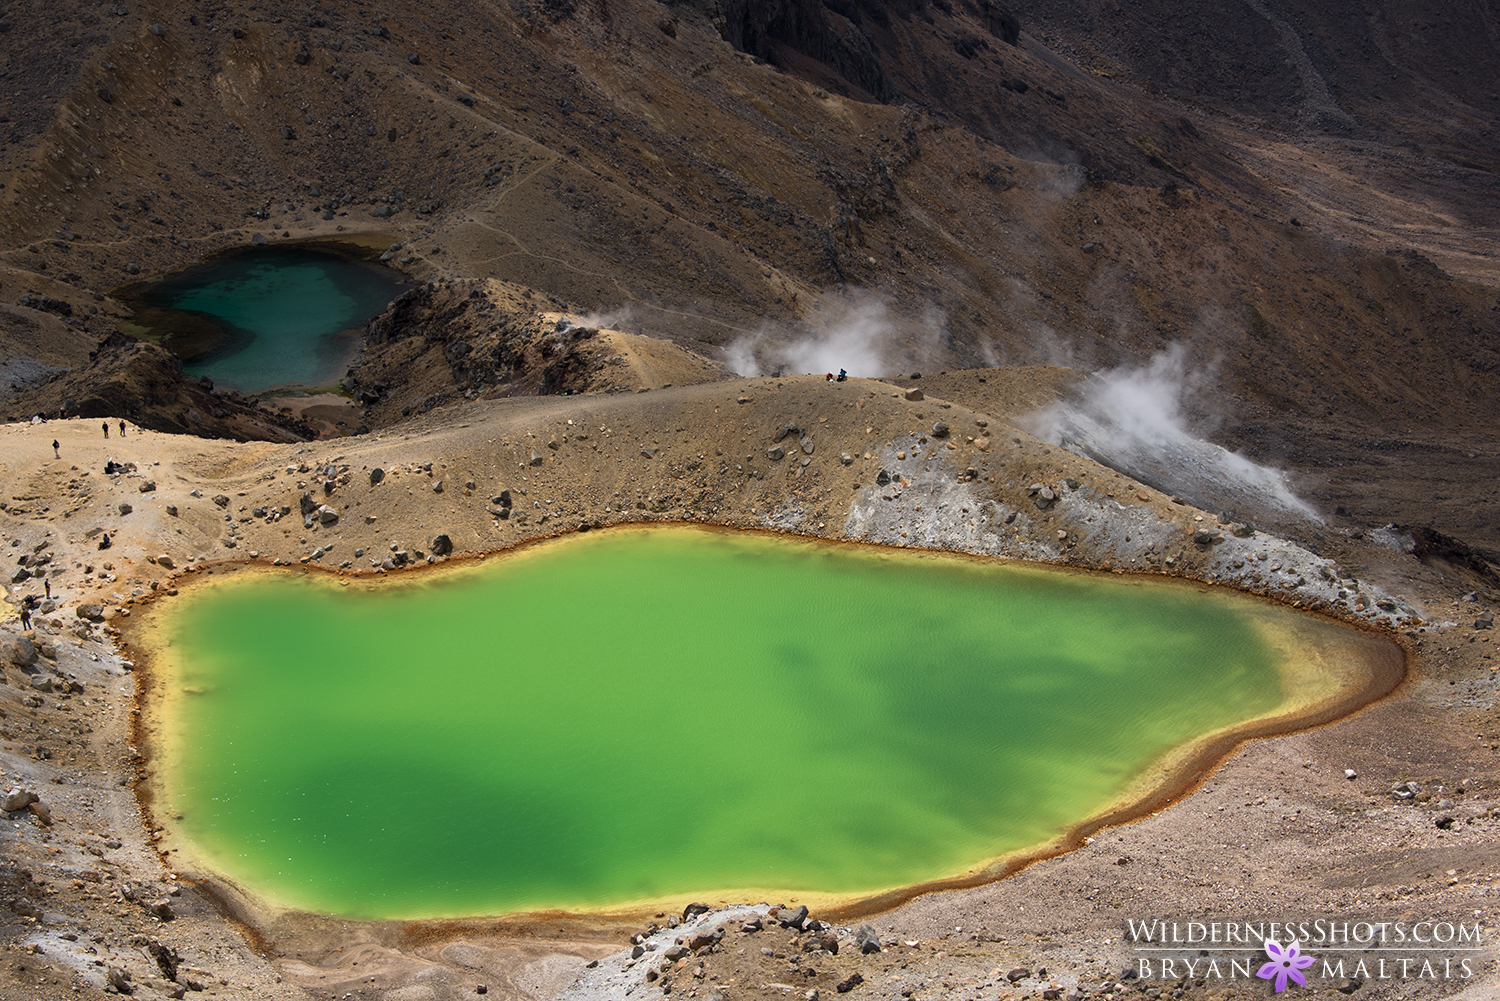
(694, 909)
(807, 445)
(147, 487)
(376, 475)
(1350, 774)
(1018, 974)
(701, 940)
(867, 939)
(1445, 822)
(982, 443)
(1485, 621)
(786, 429)
(849, 983)
(536, 458)
(792, 918)
(437, 487)
(1405, 790)
(91, 611)
(125, 509)
(327, 515)
(913, 395)
(118, 979)
(17, 798)
(442, 545)
(18, 650)
(158, 29)
(940, 430)
(221, 500)
(846, 458)
(775, 453)
(172, 510)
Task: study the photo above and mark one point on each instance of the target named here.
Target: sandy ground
(1277, 830)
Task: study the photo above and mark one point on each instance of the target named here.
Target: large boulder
(16, 650)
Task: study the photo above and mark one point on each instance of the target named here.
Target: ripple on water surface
(641, 714)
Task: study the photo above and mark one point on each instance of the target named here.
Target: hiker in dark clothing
(122, 429)
(104, 542)
(106, 429)
(56, 449)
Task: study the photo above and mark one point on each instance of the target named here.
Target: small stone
(164, 560)
(221, 500)
(1350, 986)
(1018, 974)
(849, 983)
(536, 458)
(940, 430)
(867, 939)
(913, 396)
(694, 909)
(775, 453)
(172, 510)
(17, 798)
(807, 445)
(792, 918)
(650, 453)
(437, 487)
(125, 509)
(158, 29)
(327, 515)
(1350, 774)
(147, 487)
(1485, 621)
(785, 430)
(91, 611)
(118, 979)
(442, 545)
(376, 475)
(1445, 822)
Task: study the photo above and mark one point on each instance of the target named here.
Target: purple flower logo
(1285, 964)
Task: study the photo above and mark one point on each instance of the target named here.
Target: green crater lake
(268, 317)
(645, 714)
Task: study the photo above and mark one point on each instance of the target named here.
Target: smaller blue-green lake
(262, 318)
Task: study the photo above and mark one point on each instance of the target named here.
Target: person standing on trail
(106, 429)
(25, 618)
(122, 429)
(56, 449)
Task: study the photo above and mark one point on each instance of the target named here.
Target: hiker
(56, 449)
(106, 429)
(828, 377)
(842, 376)
(122, 429)
(104, 542)
(25, 618)
(47, 586)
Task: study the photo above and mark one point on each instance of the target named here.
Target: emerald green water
(645, 713)
(267, 317)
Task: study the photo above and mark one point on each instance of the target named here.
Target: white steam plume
(860, 336)
(1131, 420)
